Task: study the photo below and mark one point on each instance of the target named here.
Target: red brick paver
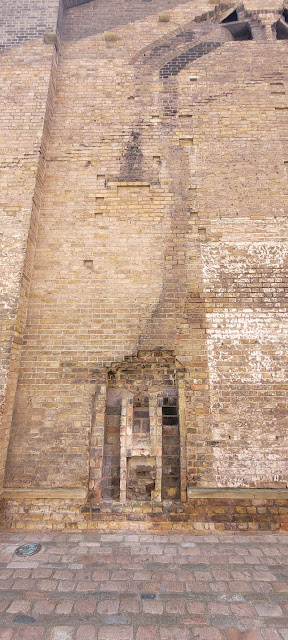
(144, 587)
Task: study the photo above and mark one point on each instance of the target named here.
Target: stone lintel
(47, 494)
(131, 183)
(240, 493)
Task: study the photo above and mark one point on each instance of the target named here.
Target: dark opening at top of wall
(233, 17)
(282, 30)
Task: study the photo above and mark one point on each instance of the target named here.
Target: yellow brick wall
(163, 225)
(26, 73)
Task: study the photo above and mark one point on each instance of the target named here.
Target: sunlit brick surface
(144, 155)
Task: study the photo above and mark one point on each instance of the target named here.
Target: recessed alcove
(232, 17)
(239, 30)
(282, 27)
(141, 458)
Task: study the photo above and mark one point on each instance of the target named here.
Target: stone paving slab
(144, 587)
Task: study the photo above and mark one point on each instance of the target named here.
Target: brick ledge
(57, 493)
(10, 493)
(246, 493)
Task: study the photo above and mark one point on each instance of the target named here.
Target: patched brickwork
(153, 356)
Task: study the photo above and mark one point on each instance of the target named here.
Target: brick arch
(174, 66)
(175, 51)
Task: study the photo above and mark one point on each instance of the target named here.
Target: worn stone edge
(237, 493)
(10, 493)
(34, 494)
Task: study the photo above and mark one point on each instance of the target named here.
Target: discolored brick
(175, 607)
(115, 633)
(86, 632)
(146, 633)
(208, 633)
(233, 634)
(108, 607)
(6, 634)
(19, 606)
(268, 610)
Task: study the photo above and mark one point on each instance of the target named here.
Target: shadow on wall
(84, 21)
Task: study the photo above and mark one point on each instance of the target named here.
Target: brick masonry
(152, 148)
(23, 148)
(22, 21)
(140, 586)
(238, 513)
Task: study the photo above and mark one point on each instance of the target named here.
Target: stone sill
(226, 492)
(132, 183)
(47, 494)
(15, 493)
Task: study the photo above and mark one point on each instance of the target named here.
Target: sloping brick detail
(176, 65)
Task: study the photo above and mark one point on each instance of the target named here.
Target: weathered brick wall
(163, 225)
(97, 17)
(242, 210)
(54, 408)
(22, 21)
(27, 86)
(247, 514)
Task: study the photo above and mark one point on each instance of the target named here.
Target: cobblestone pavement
(144, 587)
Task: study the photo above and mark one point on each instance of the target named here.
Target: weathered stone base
(209, 510)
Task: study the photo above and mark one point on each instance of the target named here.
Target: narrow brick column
(183, 436)
(125, 443)
(22, 269)
(268, 19)
(97, 442)
(155, 414)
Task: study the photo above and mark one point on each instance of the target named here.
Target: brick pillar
(155, 415)
(183, 437)
(97, 442)
(125, 443)
(17, 270)
(268, 19)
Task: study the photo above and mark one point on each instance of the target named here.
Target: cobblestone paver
(144, 587)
